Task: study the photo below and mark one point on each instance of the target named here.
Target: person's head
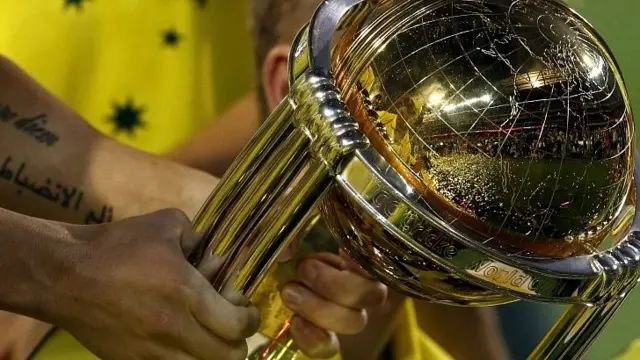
(274, 24)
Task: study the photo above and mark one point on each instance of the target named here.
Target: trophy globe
(500, 125)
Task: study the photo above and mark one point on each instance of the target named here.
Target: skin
(145, 302)
(124, 289)
(466, 333)
(229, 133)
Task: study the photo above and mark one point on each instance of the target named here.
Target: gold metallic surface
(380, 253)
(509, 117)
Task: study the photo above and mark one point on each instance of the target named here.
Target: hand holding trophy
(465, 152)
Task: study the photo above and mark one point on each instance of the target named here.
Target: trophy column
(270, 192)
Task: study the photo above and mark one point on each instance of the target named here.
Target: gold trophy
(465, 152)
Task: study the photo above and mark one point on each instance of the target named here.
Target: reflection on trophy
(465, 152)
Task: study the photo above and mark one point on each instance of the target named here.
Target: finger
(190, 240)
(172, 354)
(233, 296)
(202, 344)
(209, 266)
(154, 350)
(321, 312)
(313, 341)
(354, 265)
(220, 316)
(176, 226)
(342, 261)
(344, 287)
(334, 260)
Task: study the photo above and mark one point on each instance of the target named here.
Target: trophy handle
(250, 216)
(253, 214)
(575, 331)
(273, 187)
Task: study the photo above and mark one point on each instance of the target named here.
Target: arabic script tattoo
(34, 126)
(67, 197)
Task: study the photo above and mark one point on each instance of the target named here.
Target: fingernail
(291, 296)
(286, 255)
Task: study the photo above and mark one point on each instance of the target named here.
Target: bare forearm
(54, 166)
(216, 146)
(30, 254)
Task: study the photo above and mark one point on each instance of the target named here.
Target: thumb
(191, 240)
(210, 265)
(194, 246)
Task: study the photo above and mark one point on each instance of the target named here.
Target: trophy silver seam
(322, 115)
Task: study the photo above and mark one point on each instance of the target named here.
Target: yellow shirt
(632, 353)
(149, 73)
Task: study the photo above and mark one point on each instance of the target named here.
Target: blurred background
(152, 73)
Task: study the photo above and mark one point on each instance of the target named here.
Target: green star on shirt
(171, 38)
(77, 3)
(202, 3)
(127, 117)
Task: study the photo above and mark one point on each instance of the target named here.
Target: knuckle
(185, 290)
(374, 296)
(315, 352)
(175, 219)
(237, 326)
(369, 294)
(315, 274)
(175, 214)
(325, 350)
(163, 323)
(246, 323)
(182, 287)
(350, 324)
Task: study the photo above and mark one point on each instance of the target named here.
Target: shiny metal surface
(510, 117)
(466, 152)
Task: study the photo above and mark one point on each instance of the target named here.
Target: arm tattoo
(67, 197)
(34, 126)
